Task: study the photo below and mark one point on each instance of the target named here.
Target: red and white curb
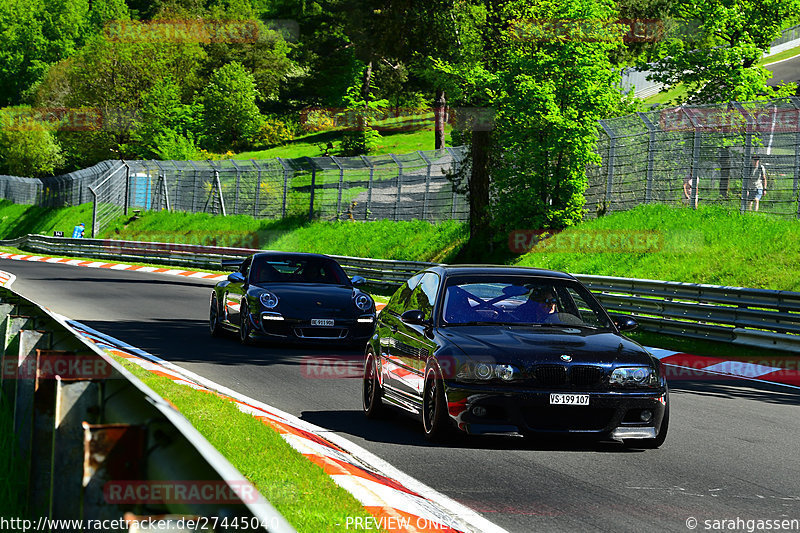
(680, 365)
(398, 502)
(114, 266)
(7, 279)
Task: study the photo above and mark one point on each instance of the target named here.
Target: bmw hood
(524, 346)
(315, 300)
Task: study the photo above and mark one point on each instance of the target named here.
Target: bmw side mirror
(415, 317)
(236, 277)
(625, 323)
(358, 281)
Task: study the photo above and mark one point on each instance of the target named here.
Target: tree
(717, 61)
(168, 128)
(551, 89)
(27, 149)
(232, 117)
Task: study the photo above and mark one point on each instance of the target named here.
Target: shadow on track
(406, 431)
(733, 388)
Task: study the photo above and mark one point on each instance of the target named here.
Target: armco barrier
(754, 317)
(94, 443)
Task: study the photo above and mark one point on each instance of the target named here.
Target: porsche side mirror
(415, 317)
(236, 277)
(625, 323)
(358, 281)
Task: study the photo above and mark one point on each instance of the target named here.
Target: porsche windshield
(520, 300)
(287, 269)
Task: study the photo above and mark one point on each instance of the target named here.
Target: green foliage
(715, 56)
(232, 117)
(274, 131)
(359, 142)
(550, 94)
(28, 150)
(168, 128)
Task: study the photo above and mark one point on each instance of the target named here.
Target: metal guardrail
(83, 424)
(753, 317)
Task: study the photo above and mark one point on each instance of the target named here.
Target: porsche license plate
(321, 321)
(569, 399)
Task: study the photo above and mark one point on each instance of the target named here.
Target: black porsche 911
(292, 297)
(512, 351)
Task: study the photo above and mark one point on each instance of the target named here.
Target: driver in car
(540, 308)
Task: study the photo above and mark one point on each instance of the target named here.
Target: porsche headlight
(362, 301)
(634, 376)
(268, 300)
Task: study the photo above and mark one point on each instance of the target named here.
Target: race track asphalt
(732, 451)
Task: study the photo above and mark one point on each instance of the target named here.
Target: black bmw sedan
(512, 350)
(292, 297)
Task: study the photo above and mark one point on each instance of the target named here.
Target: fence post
(194, 188)
(180, 204)
(611, 154)
(748, 143)
(651, 146)
(453, 158)
(313, 186)
(695, 168)
(368, 162)
(399, 185)
(258, 188)
(341, 184)
(285, 185)
(236, 194)
(127, 186)
(94, 212)
(427, 182)
(219, 190)
(796, 103)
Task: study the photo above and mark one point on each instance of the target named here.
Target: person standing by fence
(77, 231)
(757, 184)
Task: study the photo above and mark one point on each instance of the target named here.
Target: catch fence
(693, 155)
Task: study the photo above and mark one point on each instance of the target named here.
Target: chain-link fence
(418, 185)
(692, 155)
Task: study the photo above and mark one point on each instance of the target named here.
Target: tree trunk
(479, 185)
(362, 121)
(439, 109)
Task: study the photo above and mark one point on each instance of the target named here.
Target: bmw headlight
(486, 371)
(362, 301)
(634, 376)
(268, 300)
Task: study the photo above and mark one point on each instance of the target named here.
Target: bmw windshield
(520, 300)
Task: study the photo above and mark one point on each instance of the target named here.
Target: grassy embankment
(299, 489)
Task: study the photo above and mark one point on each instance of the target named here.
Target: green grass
(708, 245)
(17, 220)
(315, 144)
(786, 54)
(12, 481)
(411, 240)
(299, 489)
